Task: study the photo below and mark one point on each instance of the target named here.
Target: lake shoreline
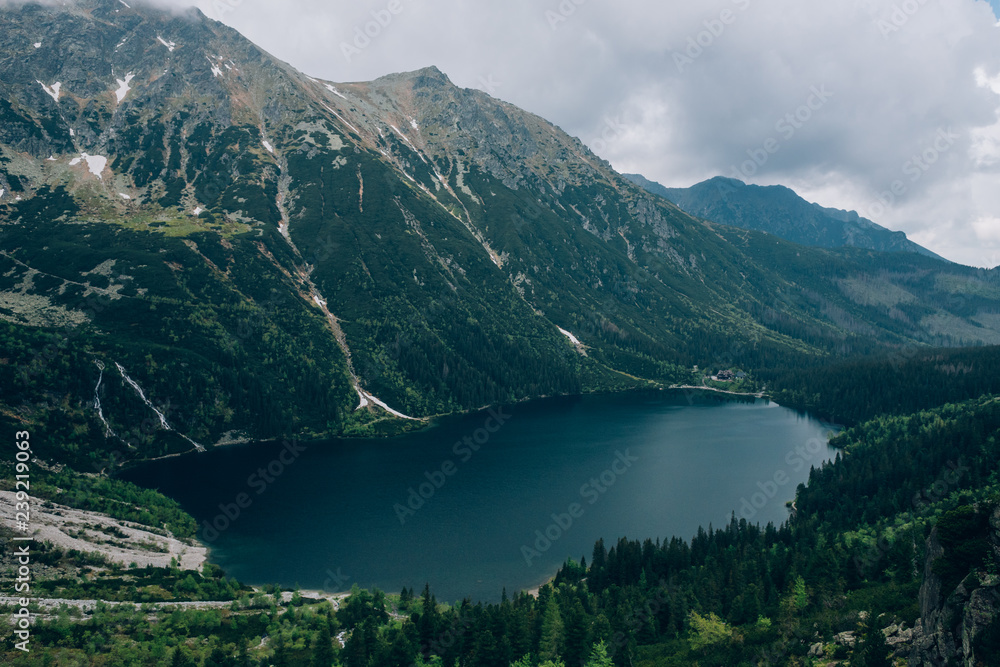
(483, 499)
(429, 423)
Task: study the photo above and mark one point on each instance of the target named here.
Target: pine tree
(243, 653)
(428, 625)
(280, 658)
(599, 657)
(219, 658)
(598, 563)
(401, 652)
(181, 659)
(322, 648)
(577, 629)
(356, 652)
(551, 643)
(872, 649)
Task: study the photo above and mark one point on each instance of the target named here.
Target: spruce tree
(871, 649)
(280, 658)
(181, 659)
(550, 645)
(322, 648)
(599, 657)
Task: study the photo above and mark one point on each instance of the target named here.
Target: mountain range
(778, 210)
(190, 225)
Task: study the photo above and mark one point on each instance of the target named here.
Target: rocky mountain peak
(431, 77)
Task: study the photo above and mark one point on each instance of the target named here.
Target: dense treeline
(892, 464)
(907, 380)
(731, 596)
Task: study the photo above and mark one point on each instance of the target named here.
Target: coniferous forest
(850, 559)
(220, 249)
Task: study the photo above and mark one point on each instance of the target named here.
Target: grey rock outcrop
(950, 621)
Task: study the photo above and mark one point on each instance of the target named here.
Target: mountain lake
(492, 500)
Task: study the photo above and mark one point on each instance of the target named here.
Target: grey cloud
(897, 80)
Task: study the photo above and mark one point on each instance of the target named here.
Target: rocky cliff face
(953, 623)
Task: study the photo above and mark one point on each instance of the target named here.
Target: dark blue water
(472, 511)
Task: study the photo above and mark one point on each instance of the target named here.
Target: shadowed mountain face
(778, 210)
(269, 254)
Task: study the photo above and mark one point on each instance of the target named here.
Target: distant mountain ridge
(272, 255)
(778, 210)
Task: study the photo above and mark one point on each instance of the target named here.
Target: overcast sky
(849, 102)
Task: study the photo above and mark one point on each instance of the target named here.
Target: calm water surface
(472, 511)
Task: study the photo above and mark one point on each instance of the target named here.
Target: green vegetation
(899, 382)
(115, 498)
(725, 597)
(438, 281)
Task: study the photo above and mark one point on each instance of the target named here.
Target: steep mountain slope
(778, 210)
(244, 248)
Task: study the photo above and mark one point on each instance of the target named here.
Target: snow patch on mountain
(95, 163)
(342, 120)
(170, 45)
(267, 145)
(52, 91)
(123, 86)
(573, 339)
(37, 45)
(366, 397)
(216, 70)
(335, 91)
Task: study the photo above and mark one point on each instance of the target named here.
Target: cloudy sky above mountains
(888, 107)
